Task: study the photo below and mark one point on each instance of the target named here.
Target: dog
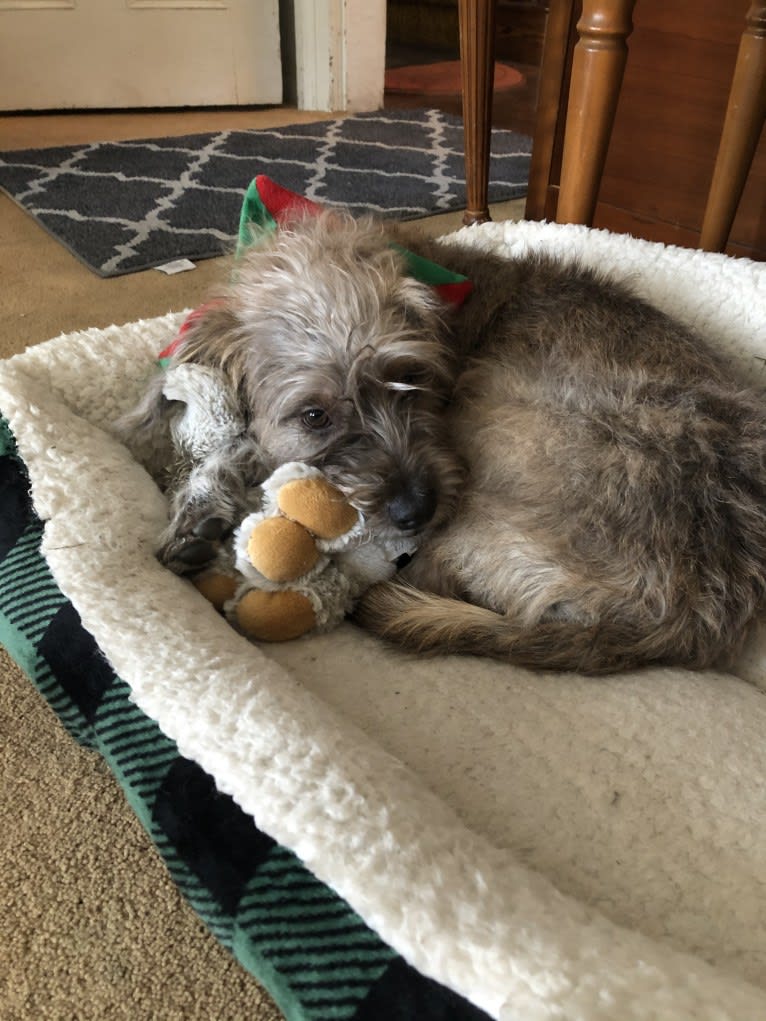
(585, 478)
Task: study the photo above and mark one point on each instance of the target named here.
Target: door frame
(340, 54)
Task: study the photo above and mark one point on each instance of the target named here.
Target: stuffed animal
(301, 562)
(302, 557)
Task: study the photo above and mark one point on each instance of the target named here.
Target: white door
(59, 54)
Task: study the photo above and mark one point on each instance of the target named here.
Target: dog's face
(340, 361)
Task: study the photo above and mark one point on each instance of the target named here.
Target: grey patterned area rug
(127, 206)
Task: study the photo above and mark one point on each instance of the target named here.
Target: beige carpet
(92, 928)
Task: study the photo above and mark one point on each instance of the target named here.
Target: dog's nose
(412, 508)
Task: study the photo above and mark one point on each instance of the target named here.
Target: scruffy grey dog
(587, 481)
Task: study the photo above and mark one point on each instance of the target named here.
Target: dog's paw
(194, 545)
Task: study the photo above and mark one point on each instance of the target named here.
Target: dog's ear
(212, 337)
(423, 309)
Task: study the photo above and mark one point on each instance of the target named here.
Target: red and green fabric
(267, 205)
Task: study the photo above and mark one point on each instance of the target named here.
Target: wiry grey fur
(613, 507)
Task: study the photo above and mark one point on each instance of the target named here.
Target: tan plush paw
(281, 550)
(216, 588)
(288, 539)
(318, 506)
(285, 556)
(274, 616)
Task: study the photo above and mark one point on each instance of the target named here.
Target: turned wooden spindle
(598, 64)
(549, 115)
(742, 126)
(477, 60)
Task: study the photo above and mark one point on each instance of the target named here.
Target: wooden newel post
(477, 59)
(741, 130)
(598, 64)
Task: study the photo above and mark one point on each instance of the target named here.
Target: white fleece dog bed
(547, 846)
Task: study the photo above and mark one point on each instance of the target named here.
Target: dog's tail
(424, 622)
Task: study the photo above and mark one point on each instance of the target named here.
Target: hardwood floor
(513, 108)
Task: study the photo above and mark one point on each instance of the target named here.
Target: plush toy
(303, 555)
(299, 563)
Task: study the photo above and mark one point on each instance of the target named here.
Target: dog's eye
(316, 418)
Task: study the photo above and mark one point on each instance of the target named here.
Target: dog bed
(378, 835)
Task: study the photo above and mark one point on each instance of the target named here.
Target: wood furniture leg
(477, 60)
(553, 89)
(742, 126)
(598, 64)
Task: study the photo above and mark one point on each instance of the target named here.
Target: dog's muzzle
(412, 508)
